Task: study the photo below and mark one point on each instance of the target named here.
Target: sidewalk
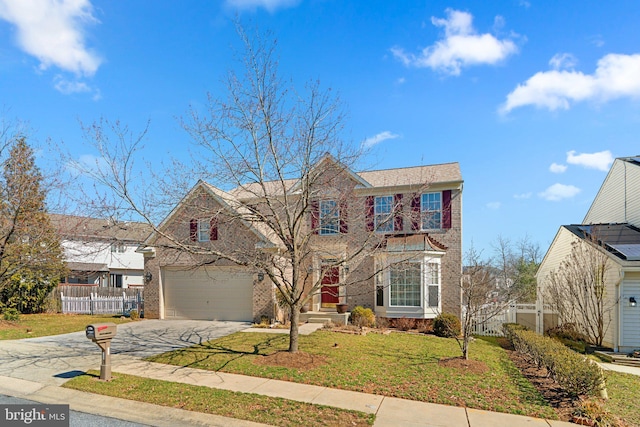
(390, 412)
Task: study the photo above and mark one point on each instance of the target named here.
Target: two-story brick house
(389, 240)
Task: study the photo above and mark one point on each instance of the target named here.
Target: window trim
(203, 229)
(427, 261)
(328, 220)
(389, 219)
(420, 286)
(425, 211)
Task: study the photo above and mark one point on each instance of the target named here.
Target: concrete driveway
(55, 359)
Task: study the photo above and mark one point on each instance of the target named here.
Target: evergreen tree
(31, 258)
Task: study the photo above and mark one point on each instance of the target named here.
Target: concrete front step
(324, 317)
(618, 358)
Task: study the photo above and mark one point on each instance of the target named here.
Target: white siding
(630, 336)
(617, 200)
(560, 248)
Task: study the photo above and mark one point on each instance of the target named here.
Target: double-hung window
(431, 211)
(432, 278)
(405, 284)
(329, 217)
(383, 214)
(204, 230)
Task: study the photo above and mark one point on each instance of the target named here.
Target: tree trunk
(293, 333)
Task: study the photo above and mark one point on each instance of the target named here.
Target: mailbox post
(101, 334)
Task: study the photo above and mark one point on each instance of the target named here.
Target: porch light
(261, 276)
(148, 276)
(632, 301)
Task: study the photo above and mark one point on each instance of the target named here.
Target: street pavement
(34, 369)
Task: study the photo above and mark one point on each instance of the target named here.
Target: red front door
(330, 291)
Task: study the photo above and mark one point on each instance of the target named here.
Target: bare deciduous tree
(285, 171)
(577, 289)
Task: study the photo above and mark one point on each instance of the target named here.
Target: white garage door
(208, 293)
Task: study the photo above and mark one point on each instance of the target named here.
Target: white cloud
(601, 160)
(563, 61)
(494, 205)
(522, 196)
(556, 168)
(616, 76)
(461, 47)
(53, 32)
(377, 139)
(270, 5)
(557, 192)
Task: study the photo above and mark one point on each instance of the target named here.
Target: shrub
(11, 315)
(405, 323)
(363, 317)
(575, 373)
(567, 331)
(424, 326)
(446, 325)
(134, 315)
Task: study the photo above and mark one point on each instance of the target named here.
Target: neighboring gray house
(101, 252)
(612, 225)
(425, 207)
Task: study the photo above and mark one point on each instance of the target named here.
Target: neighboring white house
(102, 252)
(612, 225)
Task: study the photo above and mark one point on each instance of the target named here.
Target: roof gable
(616, 200)
(228, 202)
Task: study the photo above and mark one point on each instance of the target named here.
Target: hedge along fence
(574, 372)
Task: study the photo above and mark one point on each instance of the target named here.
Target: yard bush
(446, 325)
(405, 323)
(575, 373)
(10, 314)
(363, 317)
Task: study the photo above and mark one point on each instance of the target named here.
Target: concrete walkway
(34, 369)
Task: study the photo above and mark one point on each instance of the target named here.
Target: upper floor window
(329, 217)
(118, 248)
(431, 211)
(203, 229)
(383, 213)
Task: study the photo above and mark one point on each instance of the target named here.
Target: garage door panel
(208, 294)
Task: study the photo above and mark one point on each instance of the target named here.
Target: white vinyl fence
(95, 304)
(490, 323)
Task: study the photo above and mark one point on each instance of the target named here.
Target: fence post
(91, 302)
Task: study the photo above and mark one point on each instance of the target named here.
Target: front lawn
(42, 325)
(401, 365)
(244, 406)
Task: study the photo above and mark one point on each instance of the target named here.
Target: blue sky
(534, 99)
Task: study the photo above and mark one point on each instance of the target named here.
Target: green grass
(398, 365)
(623, 402)
(244, 406)
(41, 325)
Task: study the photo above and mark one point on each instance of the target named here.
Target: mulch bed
(468, 366)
